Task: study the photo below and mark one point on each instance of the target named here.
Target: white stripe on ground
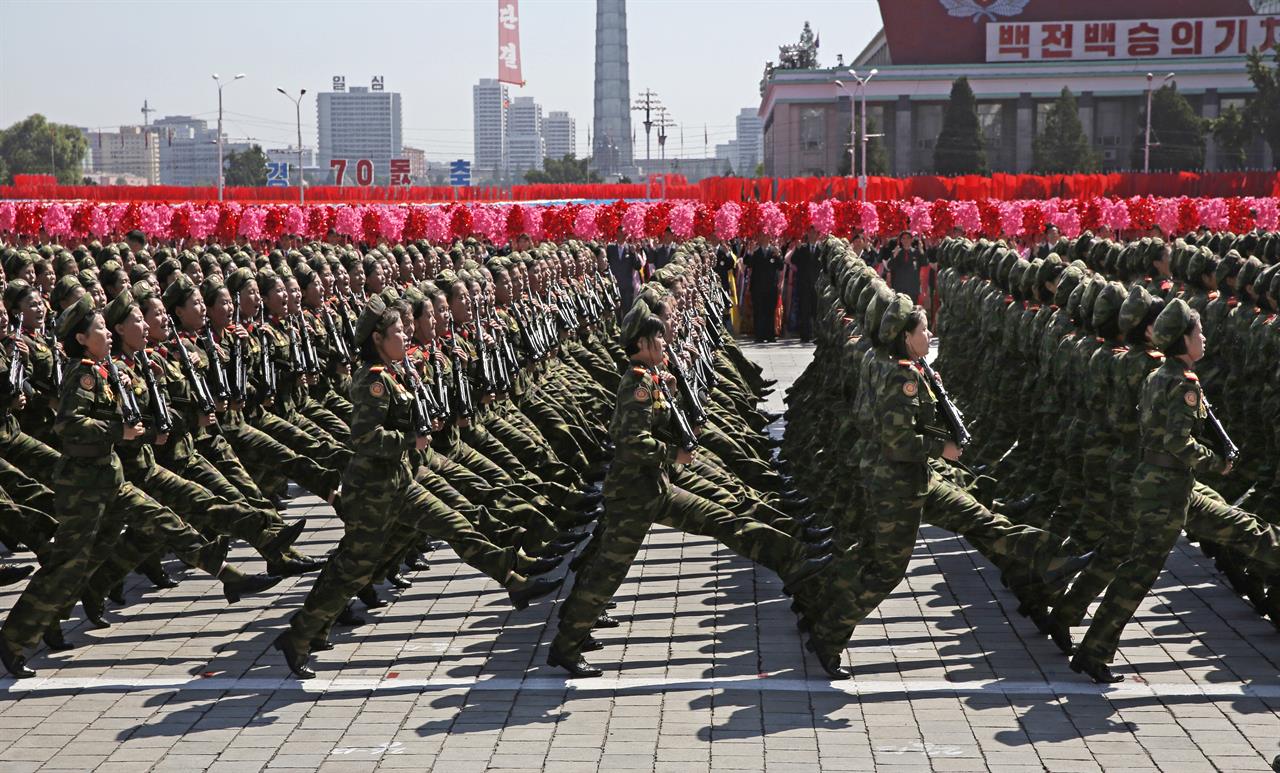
(1130, 688)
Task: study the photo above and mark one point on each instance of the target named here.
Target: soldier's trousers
(21, 524)
(1165, 502)
(262, 452)
(376, 502)
(201, 508)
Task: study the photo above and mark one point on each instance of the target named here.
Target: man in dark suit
(765, 262)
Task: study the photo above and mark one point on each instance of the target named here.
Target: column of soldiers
(158, 404)
(1099, 379)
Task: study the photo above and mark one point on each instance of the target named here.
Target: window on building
(991, 121)
(1109, 133)
(813, 124)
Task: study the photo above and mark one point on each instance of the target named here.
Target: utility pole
(663, 123)
(147, 110)
(221, 171)
(1147, 143)
(647, 103)
(297, 107)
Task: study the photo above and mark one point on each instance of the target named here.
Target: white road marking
(855, 687)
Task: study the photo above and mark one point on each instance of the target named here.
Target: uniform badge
(86, 382)
(377, 389)
(642, 395)
(1192, 398)
(909, 389)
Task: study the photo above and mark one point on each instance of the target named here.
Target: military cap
(237, 279)
(117, 310)
(1172, 324)
(178, 292)
(17, 263)
(1107, 305)
(895, 317)
(1248, 273)
(210, 287)
(1228, 267)
(14, 293)
(446, 277)
(631, 322)
(74, 314)
(1266, 281)
(138, 272)
(143, 291)
(1016, 276)
(375, 317)
(63, 289)
(1134, 308)
(876, 306)
(1068, 282)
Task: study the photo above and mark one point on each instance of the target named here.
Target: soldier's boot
(1273, 601)
(523, 591)
(297, 661)
(11, 573)
(830, 659)
(15, 663)
(54, 640)
(236, 583)
(153, 569)
(575, 664)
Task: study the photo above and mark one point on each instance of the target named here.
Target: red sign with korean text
(510, 65)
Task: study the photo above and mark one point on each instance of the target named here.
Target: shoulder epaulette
(1213, 295)
(86, 361)
(1166, 284)
(376, 369)
(1155, 355)
(1190, 375)
(639, 371)
(1119, 349)
(905, 363)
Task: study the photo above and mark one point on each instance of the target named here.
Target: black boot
(817, 534)
(235, 587)
(321, 645)
(591, 644)
(1058, 579)
(1098, 672)
(368, 596)
(93, 610)
(292, 567)
(542, 565)
(11, 573)
(116, 594)
(576, 665)
(403, 583)
(830, 662)
(284, 538)
(819, 549)
(296, 661)
(605, 620)
(15, 664)
(349, 617)
(540, 587)
(55, 641)
(155, 572)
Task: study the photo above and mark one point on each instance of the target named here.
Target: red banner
(510, 66)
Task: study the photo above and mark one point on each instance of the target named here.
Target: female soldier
(380, 496)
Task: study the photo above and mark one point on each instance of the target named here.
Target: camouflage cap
(874, 313)
(117, 310)
(1068, 281)
(375, 317)
(895, 317)
(74, 314)
(15, 292)
(178, 292)
(237, 279)
(1134, 308)
(143, 291)
(1107, 305)
(631, 322)
(1228, 267)
(1266, 282)
(1172, 324)
(1249, 273)
(63, 289)
(210, 287)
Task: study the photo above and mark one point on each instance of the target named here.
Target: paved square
(707, 674)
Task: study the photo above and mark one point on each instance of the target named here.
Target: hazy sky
(93, 63)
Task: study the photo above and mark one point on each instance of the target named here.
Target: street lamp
(1146, 145)
(297, 105)
(853, 129)
(862, 86)
(220, 170)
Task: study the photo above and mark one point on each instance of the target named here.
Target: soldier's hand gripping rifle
(688, 438)
(199, 387)
(1229, 449)
(16, 383)
(217, 374)
(238, 366)
(159, 402)
(130, 413)
(464, 406)
(688, 393)
(421, 404)
(266, 345)
(950, 413)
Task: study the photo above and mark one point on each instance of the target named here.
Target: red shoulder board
(639, 371)
(1008, 299)
(1119, 349)
(1191, 376)
(905, 363)
(1166, 285)
(1100, 339)
(1271, 318)
(1232, 301)
(1156, 355)
(376, 369)
(1213, 296)
(102, 371)
(1034, 307)
(86, 361)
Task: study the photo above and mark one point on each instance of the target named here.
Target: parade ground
(707, 672)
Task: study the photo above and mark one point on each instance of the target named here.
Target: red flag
(509, 62)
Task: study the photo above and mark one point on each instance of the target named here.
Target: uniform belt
(1161, 459)
(86, 451)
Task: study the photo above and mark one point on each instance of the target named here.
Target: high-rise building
(189, 150)
(132, 150)
(489, 103)
(750, 147)
(560, 132)
(525, 146)
(358, 123)
(611, 139)
(417, 164)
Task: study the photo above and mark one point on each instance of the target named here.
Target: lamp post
(220, 170)
(862, 86)
(853, 129)
(297, 105)
(1146, 145)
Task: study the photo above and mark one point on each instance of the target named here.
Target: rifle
(239, 380)
(336, 337)
(466, 407)
(129, 411)
(1229, 449)
(159, 403)
(17, 381)
(59, 359)
(297, 359)
(421, 406)
(439, 388)
(221, 384)
(950, 413)
(688, 439)
(268, 364)
(485, 371)
(310, 363)
(687, 392)
(199, 387)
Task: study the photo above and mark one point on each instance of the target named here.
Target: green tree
(31, 145)
(877, 159)
(569, 169)
(1263, 110)
(1177, 133)
(1232, 131)
(959, 149)
(1062, 147)
(246, 168)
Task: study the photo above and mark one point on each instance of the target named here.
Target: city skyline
(730, 44)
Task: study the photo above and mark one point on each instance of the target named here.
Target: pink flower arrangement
(726, 220)
(965, 215)
(772, 221)
(584, 223)
(633, 221)
(681, 219)
(57, 221)
(869, 221)
(823, 216)
(349, 221)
